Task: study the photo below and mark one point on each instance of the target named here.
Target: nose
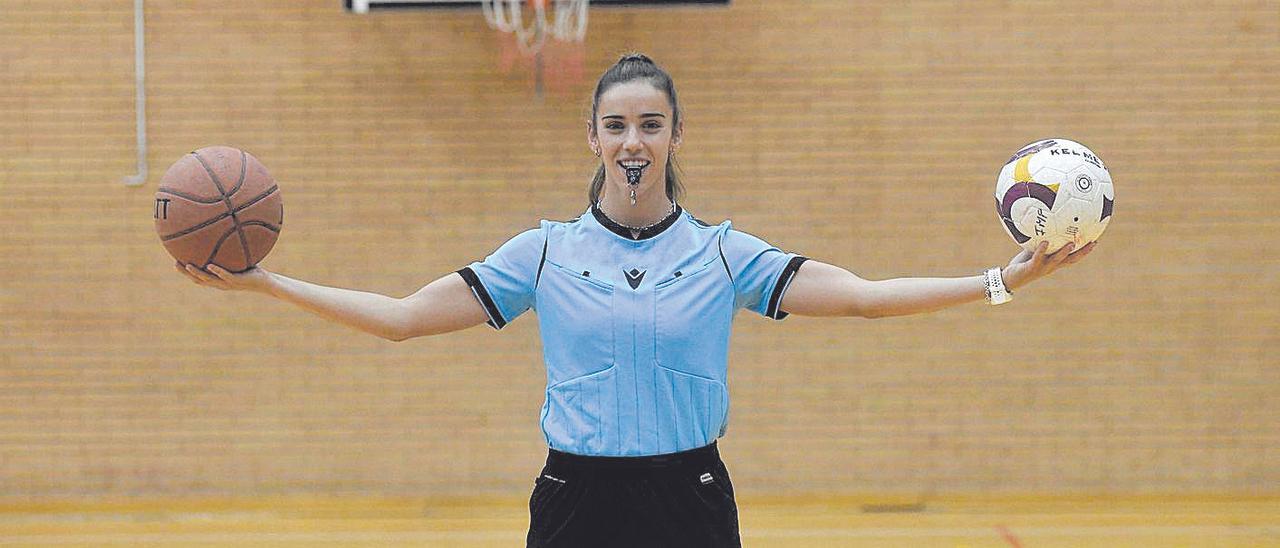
(632, 141)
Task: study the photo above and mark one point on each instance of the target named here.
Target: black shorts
(673, 500)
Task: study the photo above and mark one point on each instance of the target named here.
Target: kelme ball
(1054, 190)
(218, 205)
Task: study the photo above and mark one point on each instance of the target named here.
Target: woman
(634, 302)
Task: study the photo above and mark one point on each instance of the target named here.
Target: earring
(596, 150)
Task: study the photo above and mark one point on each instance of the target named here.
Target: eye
(613, 125)
(652, 125)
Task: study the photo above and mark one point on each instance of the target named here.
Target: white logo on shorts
(706, 478)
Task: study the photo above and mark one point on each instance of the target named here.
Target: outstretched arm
(444, 305)
(820, 289)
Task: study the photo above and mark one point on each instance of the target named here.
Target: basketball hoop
(564, 20)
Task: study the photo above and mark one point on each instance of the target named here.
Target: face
(633, 128)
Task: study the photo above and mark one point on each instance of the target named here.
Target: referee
(634, 301)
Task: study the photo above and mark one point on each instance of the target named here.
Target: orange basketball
(218, 205)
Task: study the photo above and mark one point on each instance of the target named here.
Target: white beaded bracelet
(997, 293)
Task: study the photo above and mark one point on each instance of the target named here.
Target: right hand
(254, 279)
(1027, 266)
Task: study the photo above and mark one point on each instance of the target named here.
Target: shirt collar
(645, 234)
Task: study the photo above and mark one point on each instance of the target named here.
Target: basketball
(218, 205)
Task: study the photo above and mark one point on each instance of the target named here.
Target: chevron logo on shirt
(634, 277)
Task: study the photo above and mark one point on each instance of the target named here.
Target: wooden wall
(865, 134)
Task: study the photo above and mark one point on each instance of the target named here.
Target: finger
(201, 274)
(209, 279)
(1041, 251)
(182, 269)
(1061, 254)
(220, 272)
(190, 271)
(1079, 255)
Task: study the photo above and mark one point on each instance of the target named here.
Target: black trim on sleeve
(724, 261)
(541, 261)
(784, 281)
(495, 316)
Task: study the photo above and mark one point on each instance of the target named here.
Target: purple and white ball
(1054, 190)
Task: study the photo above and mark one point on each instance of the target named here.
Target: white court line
(1064, 531)
(499, 535)
(249, 538)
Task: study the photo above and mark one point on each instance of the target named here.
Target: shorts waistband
(707, 454)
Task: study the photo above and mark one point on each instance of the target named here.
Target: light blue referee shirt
(635, 329)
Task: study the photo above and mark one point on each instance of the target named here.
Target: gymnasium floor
(773, 522)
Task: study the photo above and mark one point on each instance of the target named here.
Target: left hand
(254, 279)
(1027, 267)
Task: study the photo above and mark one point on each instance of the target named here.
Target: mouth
(634, 169)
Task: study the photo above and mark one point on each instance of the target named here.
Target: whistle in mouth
(633, 175)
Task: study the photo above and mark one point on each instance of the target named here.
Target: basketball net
(564, 20)
(527, 24)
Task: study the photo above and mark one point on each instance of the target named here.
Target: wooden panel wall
(865, 134)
